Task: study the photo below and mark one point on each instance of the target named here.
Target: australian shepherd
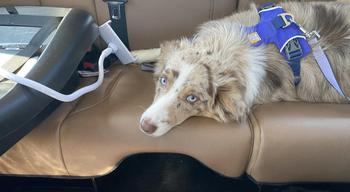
(218, 74)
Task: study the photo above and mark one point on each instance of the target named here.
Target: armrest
(299, 142)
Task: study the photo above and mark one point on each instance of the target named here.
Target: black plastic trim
(25, 20)
(159, 172)
(22, 106)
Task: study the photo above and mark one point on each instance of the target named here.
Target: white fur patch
(157, 112)
(255, 73)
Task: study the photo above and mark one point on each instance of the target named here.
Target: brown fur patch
(273, 80)
(210, 89)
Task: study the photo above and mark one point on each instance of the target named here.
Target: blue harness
(278, 27)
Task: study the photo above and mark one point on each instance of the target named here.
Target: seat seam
(257, 142)
(92, 3)
(235, 6)
(59, 127)
(108, 93)
(251, 128)
(211, 10)
(71, 113)
(95, 8)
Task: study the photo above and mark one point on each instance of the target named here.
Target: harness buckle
(293, 50)
(286, 21)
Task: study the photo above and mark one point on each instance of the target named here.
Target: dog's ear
(228, 103)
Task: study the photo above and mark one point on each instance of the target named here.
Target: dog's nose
(148, 126)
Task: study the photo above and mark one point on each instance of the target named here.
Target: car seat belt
(118, 19)
(18, 60)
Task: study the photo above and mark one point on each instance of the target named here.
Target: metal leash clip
(310, 35)
(313, 34)
(307, 34)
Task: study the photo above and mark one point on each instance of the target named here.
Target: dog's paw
(146, 55)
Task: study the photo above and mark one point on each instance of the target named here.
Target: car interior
(94, 143)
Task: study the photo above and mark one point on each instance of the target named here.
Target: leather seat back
(151, 21)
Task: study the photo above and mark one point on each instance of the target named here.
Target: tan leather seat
(283, 142)
(91, 137)
(299, 142)
(54, 146)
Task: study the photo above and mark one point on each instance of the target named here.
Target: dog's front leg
(146, 55)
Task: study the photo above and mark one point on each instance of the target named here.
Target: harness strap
(295, 65)
(294, 54)
(279, 28)
(326, 67)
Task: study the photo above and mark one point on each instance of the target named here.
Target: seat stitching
(59, 127)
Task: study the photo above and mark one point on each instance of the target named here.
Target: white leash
(322, 60)
(326, 68)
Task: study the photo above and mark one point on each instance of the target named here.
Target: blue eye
(163, 81)
(191, 98)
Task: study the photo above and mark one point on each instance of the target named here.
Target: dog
(218, 74)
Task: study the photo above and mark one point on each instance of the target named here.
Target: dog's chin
(159, 132)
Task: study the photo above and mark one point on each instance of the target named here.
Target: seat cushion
(39, 152)
(102, 129)
(299, 142)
